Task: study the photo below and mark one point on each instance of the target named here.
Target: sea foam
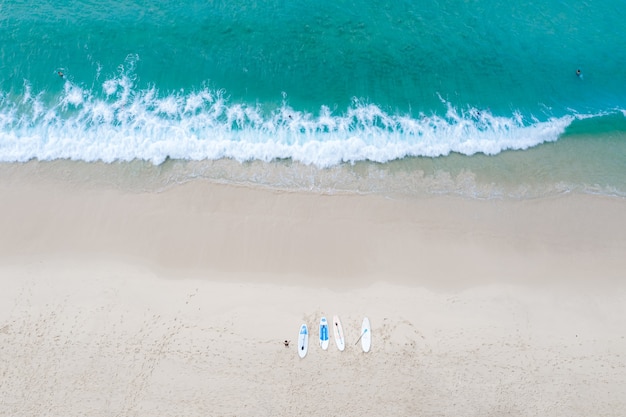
(123, 123)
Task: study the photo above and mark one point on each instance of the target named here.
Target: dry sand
(117, 303)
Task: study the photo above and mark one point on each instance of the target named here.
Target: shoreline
(176, 303)
(201, 226)
(508, 176)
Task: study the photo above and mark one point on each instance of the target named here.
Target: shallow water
(476, 98)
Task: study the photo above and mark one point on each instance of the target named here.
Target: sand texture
(117, 303)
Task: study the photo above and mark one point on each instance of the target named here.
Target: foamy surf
(124, 123)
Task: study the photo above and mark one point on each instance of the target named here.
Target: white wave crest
(124, 123)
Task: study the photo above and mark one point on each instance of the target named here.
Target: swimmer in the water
(60, 73)
(579, 73)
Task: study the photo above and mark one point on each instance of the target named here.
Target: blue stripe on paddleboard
(324, 333)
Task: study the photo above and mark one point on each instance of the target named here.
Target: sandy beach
(177, 303)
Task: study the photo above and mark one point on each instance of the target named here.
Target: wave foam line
(124, 124)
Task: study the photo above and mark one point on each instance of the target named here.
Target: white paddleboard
(366, 335)
(338, 332)
(303, 341)
(324, 339)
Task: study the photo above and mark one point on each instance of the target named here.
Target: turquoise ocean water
(479, 98)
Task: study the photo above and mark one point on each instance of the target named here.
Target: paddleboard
(324, 333)
(303, 341)
(366, 335)
(338, 332)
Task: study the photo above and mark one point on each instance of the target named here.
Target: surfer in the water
(60, 73)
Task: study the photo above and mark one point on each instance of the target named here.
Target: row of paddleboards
(324, 336)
